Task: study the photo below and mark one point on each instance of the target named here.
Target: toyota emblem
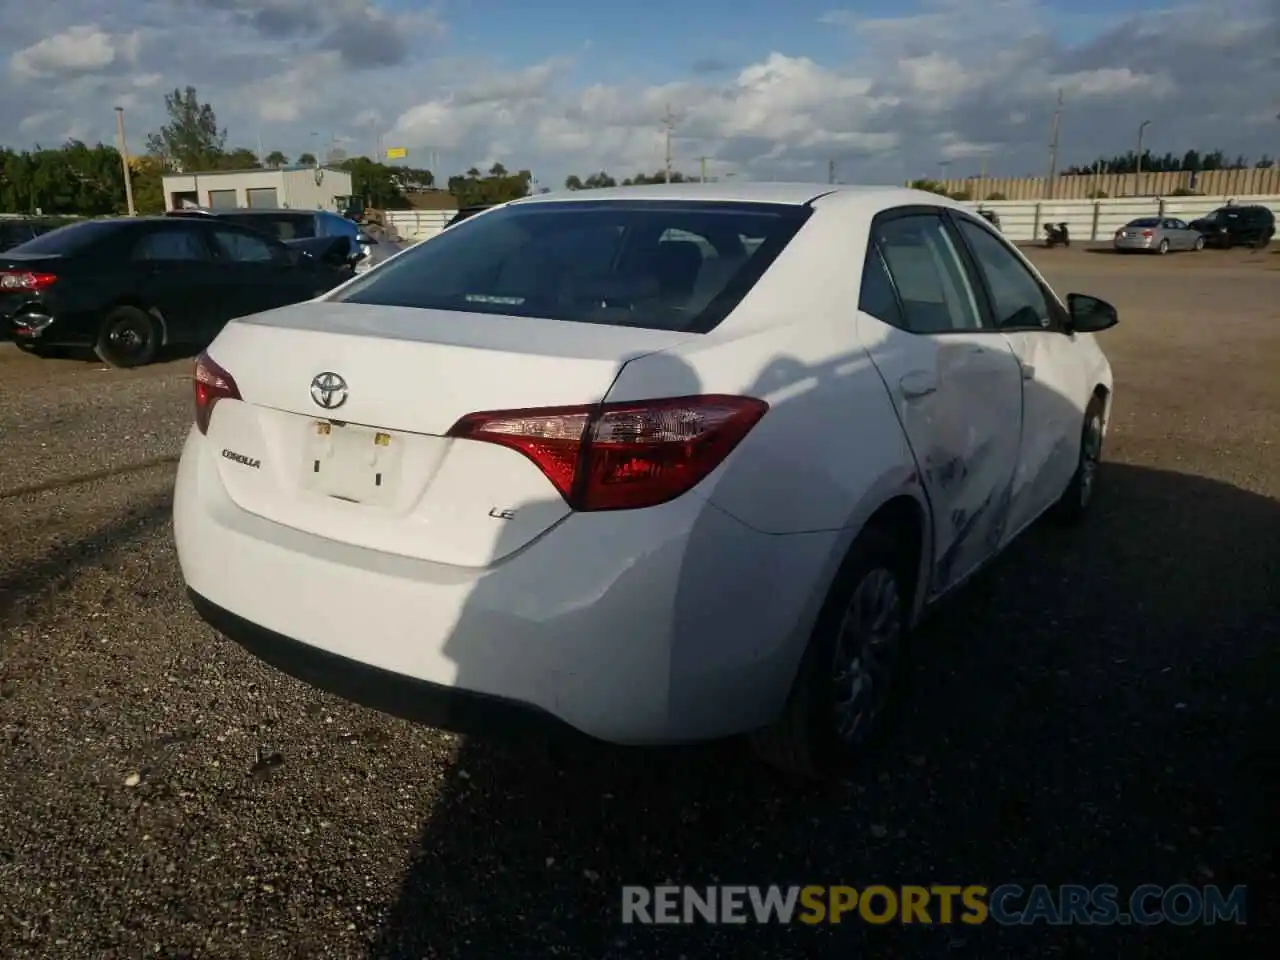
(328, 390)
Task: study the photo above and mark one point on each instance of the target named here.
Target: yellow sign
(397, 153)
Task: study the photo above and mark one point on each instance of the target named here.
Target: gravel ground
(1098, 707)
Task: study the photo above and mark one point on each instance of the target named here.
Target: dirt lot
(1100, 707)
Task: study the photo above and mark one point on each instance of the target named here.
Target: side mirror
(1089, 314)
(338, 251)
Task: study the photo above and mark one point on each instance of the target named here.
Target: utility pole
(124, 161)
(703, 175)
(831, 171)
(668, 124)
(1053, 147)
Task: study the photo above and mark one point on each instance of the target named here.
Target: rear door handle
(915, 385)
(1028, 371)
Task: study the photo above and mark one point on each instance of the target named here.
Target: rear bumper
(1145, 246)
(409, 698)
(667, 625)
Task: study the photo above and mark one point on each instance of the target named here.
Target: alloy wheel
(866, 654)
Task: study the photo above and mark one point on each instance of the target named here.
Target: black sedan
(126, 287)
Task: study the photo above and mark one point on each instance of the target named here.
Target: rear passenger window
(170, 245)
(927, 271)
(877, 297)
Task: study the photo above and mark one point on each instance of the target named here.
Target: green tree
(192, 139)
(659, 177)
(499, 186)
(375, 182)
(932, 186)
(573, 182)
(307, 159)
(241, 158)
(276, 159)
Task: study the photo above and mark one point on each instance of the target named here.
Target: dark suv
(1237, 226)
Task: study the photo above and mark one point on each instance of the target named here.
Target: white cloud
(78, 50)
(954, 80)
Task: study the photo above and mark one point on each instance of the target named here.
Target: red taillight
(1147, 233)
(619, 456)
(212, 384)
(13, 280)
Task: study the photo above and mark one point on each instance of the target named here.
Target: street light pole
(1137, 181)
(124, 161)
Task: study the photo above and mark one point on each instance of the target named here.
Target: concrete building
(296, 188)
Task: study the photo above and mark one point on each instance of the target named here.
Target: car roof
(257, 211)
(870, 198)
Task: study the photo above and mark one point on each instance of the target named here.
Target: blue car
(289, 225)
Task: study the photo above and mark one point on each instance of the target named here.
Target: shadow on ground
(42, 580)
(1096, 708)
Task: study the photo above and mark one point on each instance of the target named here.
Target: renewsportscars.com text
(1007, 904)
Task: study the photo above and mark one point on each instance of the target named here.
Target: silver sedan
(1157, 235)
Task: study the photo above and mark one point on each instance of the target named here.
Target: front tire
(129, 337)
(1073, 505)
(1198, 245)
(852, 670)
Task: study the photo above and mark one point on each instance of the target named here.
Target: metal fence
(1214, 183)
(1020, 220)
(1093, 220)
(417, 224)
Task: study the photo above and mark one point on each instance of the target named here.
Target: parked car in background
(651, 463)
(290, 225)
(1157, 235)
(1237, 226)
(991, 217)
(18, 230)
(125, 287)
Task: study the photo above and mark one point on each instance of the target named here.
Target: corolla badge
(328, 390)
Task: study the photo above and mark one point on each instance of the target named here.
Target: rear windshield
(1144, 222)
(282, 226)
(663, 265)
(70, 239)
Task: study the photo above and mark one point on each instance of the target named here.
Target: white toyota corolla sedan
(658, 464)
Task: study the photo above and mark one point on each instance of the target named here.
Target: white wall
(295, 189)
(301, 192)
(240, 181)
(1020, 220)
(418, 224)
(1090, 220)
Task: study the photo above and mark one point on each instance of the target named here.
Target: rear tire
(128, 337)
(1163, 248)
(852, 672)
(1073, 505)
(1199, 244)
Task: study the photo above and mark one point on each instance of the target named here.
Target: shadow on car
(1096, 707)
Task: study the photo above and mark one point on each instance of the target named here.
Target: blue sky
(766, 90)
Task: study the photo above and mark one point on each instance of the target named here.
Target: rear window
(282, 226)
(1145, 222)
(71, 239)
(663, 265)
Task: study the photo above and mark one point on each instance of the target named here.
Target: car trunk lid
(346, 407)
